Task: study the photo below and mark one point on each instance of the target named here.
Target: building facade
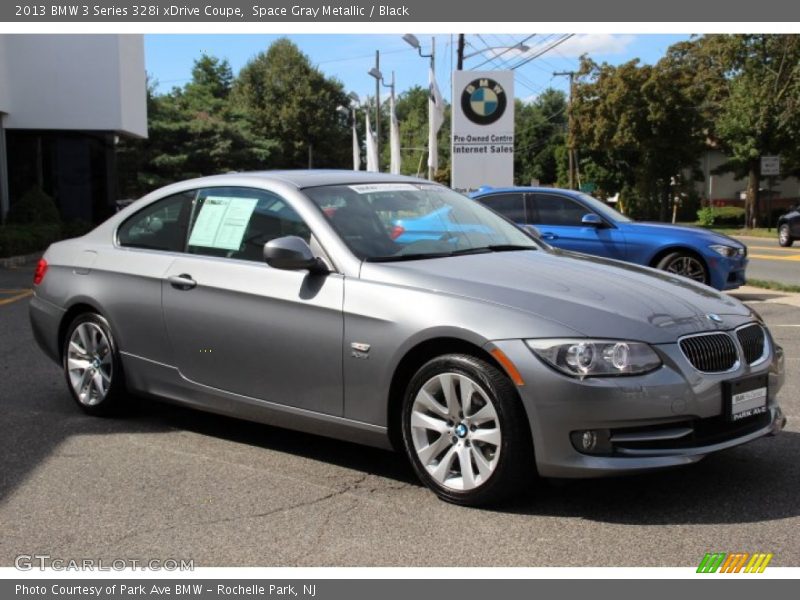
(726, 190)
(64, 102)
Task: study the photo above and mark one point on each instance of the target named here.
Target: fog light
(588, 441)
(592, 441)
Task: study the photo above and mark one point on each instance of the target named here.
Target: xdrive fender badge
(483, 101)
(359, 350)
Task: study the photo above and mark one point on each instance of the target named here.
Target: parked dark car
(789, 227)
(578, 222)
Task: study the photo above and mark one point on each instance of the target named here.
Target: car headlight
(726, 251)
(592, 358)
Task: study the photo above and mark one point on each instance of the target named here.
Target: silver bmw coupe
(294, 298)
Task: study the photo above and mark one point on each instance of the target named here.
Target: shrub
(705, 217)
(35, 207)
(26, 239)
(724, 216)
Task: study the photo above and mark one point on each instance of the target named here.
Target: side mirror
(591, 220)
(532, 230)
(292, 253)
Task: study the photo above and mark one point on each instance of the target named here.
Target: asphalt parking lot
(168, 482)
(770, 262)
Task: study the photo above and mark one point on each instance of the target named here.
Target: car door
(238, 325)
(509, 204)
(794, 223)
(130, 275)
(558, 218)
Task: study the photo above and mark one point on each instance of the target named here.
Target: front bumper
(673, 398)
(726, 273)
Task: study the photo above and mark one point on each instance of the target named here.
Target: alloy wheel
(89, 363)
(455, 431)
(687, 266)
(783, 235)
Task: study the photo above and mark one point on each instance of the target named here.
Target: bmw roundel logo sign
(483, 101)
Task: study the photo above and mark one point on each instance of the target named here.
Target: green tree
(637, 129)
(192, 131)
(751, 86)
(412, 115)
(293, 102)
(540, 132)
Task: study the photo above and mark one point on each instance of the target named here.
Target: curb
(18, 261)
(753, 294)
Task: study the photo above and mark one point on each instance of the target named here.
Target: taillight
(41, 269)
(397, 231)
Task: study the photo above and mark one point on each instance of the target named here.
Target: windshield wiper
(399, 257)
(462, 252)
(510, 247)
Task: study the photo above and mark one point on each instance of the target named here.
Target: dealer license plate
(746, 398)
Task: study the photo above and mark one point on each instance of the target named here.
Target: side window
(160, 226)
(237, 222)
(558, 210)
(511, 206)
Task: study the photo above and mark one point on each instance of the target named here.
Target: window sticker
(371, 188)
(222, 222)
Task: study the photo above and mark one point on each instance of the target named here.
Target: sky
(348, 57)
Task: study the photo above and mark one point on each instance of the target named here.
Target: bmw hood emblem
(714, 317)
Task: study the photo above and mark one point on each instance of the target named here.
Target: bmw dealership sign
(483, 129)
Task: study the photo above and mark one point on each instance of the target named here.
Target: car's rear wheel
(92, 366)
(785, 236)
(685, 264)
(465, 431)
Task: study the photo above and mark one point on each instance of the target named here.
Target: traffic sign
(770, 166)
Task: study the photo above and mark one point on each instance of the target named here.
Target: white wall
(726, 187)
(5, 97)
(78, 82)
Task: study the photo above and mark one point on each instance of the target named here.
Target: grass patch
(760, 232)
(773, 285)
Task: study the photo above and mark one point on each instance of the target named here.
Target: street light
(519, 47)
(376, 73)
(412, 41)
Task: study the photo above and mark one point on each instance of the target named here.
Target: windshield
(604, 209)
(403, 221)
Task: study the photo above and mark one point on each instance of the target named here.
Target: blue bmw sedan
(575, 221)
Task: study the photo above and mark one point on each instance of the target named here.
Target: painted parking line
(794, 257)
(9, 296)
(775, 248)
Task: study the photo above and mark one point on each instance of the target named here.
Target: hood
(597, 297)
(697, 233)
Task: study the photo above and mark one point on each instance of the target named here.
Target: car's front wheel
(785, 236)
(685, 264)
(466, 432)
(92, 366)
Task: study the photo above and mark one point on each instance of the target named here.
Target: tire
(685, 264)
(498, 447)
(92, 366)
(785, 236)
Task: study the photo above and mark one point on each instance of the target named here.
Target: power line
(558, 42)
(497, 56)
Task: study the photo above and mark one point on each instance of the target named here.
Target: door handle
(549, 235)
(182, 281)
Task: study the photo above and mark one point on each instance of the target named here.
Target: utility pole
(434, 138)
(460, 64)
(378, 109)
(570, 125)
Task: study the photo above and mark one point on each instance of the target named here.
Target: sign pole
(770, 167)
